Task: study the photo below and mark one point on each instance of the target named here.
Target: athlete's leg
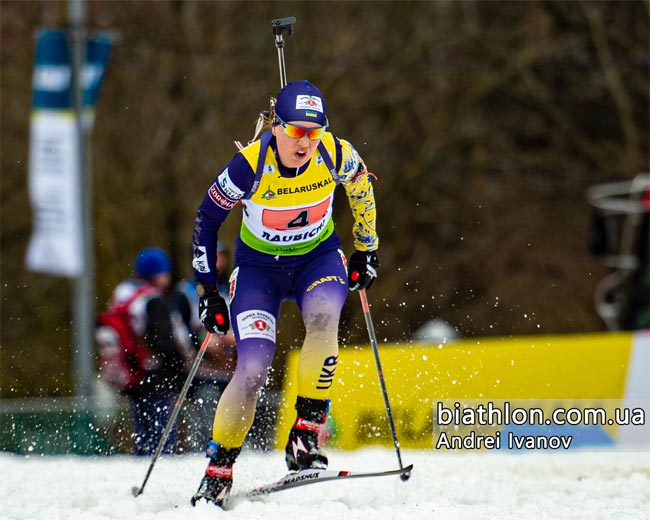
(254, 309)
(321, 289)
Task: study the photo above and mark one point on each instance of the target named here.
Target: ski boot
(217, 482)
(303, 451)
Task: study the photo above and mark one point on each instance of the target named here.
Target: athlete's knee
(251, 377)
(321, 312)
(321, 321)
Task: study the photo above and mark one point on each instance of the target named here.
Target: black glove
(362, 269)
(213, 312)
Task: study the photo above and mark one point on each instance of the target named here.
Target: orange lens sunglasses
(297, 131)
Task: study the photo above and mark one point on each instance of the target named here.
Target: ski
(313, 476)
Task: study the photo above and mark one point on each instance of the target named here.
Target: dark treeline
(485, 122)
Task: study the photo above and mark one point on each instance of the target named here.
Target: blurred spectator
(150, 313)
(218, 364)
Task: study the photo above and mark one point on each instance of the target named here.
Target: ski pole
(172, 418)
(279, 26)
(382, 383)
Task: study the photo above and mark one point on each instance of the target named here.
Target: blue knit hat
(151, 262)
(301, 101)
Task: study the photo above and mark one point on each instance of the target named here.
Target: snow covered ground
(587, 485)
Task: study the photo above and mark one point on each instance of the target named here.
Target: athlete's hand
(362, 269)
(213, 312)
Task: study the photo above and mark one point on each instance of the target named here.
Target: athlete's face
(295, 152)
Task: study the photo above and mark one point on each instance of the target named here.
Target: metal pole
(375, 349)
(84, 308)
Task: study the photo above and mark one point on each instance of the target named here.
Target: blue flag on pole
(56, 245)
(52, 81)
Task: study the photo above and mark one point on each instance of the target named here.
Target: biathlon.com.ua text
(452, 422)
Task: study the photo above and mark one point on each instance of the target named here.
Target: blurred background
(486, 123)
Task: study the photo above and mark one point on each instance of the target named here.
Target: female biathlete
(287, 249)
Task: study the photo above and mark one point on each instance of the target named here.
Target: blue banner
(98, 51)
(52, 81)
(56, 244)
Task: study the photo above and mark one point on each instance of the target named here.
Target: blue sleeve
(228, 188)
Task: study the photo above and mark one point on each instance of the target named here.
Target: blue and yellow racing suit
(287, 249)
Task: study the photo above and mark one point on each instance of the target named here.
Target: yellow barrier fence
(475, 388)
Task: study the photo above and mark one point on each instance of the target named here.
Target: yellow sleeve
(355, 179)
